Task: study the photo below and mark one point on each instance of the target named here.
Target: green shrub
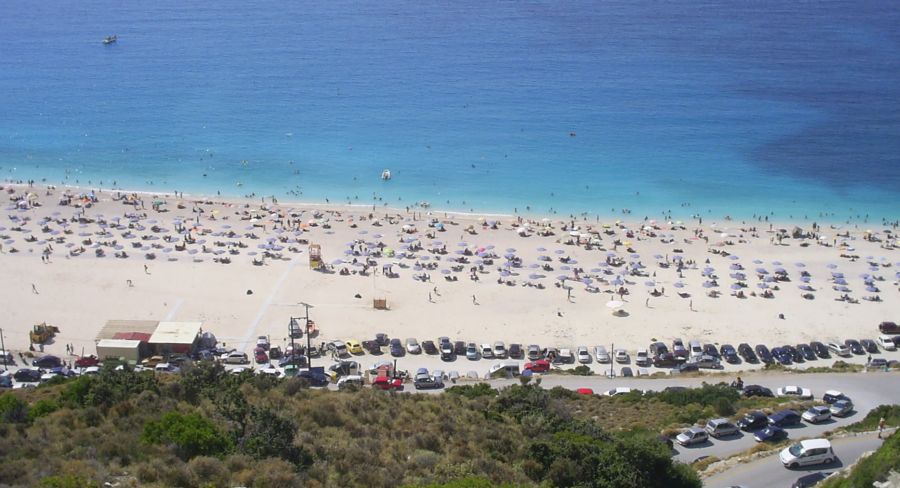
(890, 413)
(190, 434)
(472, 391)
(871, 469)
(42, 408)
(67, 481)
(12, 410)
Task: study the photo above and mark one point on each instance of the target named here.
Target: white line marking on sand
(265, 306)
(174, 310)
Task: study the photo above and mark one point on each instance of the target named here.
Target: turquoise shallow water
(706, 107)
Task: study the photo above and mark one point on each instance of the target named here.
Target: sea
(683, 108)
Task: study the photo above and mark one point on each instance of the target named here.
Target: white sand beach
(187, 281)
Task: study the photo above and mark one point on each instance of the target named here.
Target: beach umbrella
(840, 281)
(572, 261)
(843, 289)
(757, 261)
(614, 304)
(831, 266)
(611, 254)
(657, 256)
(565, 268)
(776, 263)
(805, 279)
(762, 271)
(596, 270)
(769, 279)
(587, 281)
(337, 262)
(559, 251)
(193, 251)
(511, 250)
(736, 266)
(445, 271)
(678, 284)
(534, 265)
(376, 236)
(252, 253)
(736, 286)
(617, 281)
(505, 273)
(535, 276)
(872, 289)
(562, 277)
(708, 284)
(462, 244)
(650, 283)
(762, 286)
(733, 257)
(491, 246)
(541, 249)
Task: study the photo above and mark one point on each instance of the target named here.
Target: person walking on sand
(429, 298)
(146, 269)
(880, 427)
(34, 290)
(474, 301)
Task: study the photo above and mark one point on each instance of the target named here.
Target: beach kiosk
(315, 256)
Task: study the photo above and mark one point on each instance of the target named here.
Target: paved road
(868, 390)
(768, 472)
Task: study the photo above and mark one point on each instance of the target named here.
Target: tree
(191, 435)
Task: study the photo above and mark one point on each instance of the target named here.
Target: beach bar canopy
(126, 329)
(175, 337)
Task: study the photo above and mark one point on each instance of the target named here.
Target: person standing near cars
(880, 427)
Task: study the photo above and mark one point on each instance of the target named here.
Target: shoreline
(725, 222)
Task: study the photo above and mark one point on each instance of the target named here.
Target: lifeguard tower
(315, 256)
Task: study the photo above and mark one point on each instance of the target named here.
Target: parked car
(412, 346)
(807, 352)
(820, 349)
(806, 453)
(770, 433)
(47, 362)
(565, 356)
(354, 346)
(795, 354)
(459, 348)
(665, 360)
(26, 375)
(260, 356)
(621, 390)
(315, 378)
(396, 348)
(839, 349)
(429, 347)
(601, 354)
(642, 358)
(626, 372)
(855, 346)
(729, 354)
(372, 348)
(878, 363)
(500, 350)
(515, 351)
(869, 346)
(696, 349)
(886, 343)
(539, 366)
(694, 435)
(424, 381)
(817, 414)
(471, 351)
(386, 383)
(707, 362)
(753, 421)
(782, 356)
(621, 356)
(679, 350)
(710, 350)
(747, 353)
(657, 348)
(86, 361)
(756, 390)
(167, 368)
(784, 418)
(842, 407)
(721, 427)
(583, 355)
(832, 396)
(235, 358)
(350, 382)
(794, 391)
(534, 352)
(446, 348)
(889, 328)
(487, 352)
(687, 367)
(810, 480)
(764, 355)
(382, 339)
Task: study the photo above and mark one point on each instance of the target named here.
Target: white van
(805, 453)
(351, 381)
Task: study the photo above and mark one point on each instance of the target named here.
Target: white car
(413, 347)
(487, 352)
(91, 370)
(621, 390)
(817, 414)
(601, 354)
(886, 342)
(235, 357)
(839, 349)
(270, 371)
(642, 358)
(795, 392)
(584, 357)
(500, 350)
(565, 356)
(166, 368)
(621, 356)
(696, 349)
(805, 453)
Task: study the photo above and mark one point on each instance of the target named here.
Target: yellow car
(354, 346)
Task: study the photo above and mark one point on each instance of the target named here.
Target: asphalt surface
(768, 472)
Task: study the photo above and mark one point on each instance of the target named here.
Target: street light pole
(308, 339)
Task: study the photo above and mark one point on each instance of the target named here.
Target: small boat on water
(386, 175)
(110, 39)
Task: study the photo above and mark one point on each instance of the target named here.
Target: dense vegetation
(208, 428)
(876, 467)
(890, 414)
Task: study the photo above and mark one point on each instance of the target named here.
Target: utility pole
(308, 339)
(5, 354)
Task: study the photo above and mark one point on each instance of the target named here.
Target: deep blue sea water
(730, 107)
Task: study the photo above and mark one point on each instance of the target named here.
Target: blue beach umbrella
(678, 284)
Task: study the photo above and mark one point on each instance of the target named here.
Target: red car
(585, 391)
(539, 366)
(261, 356)
(87, 361)
(385, 383)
